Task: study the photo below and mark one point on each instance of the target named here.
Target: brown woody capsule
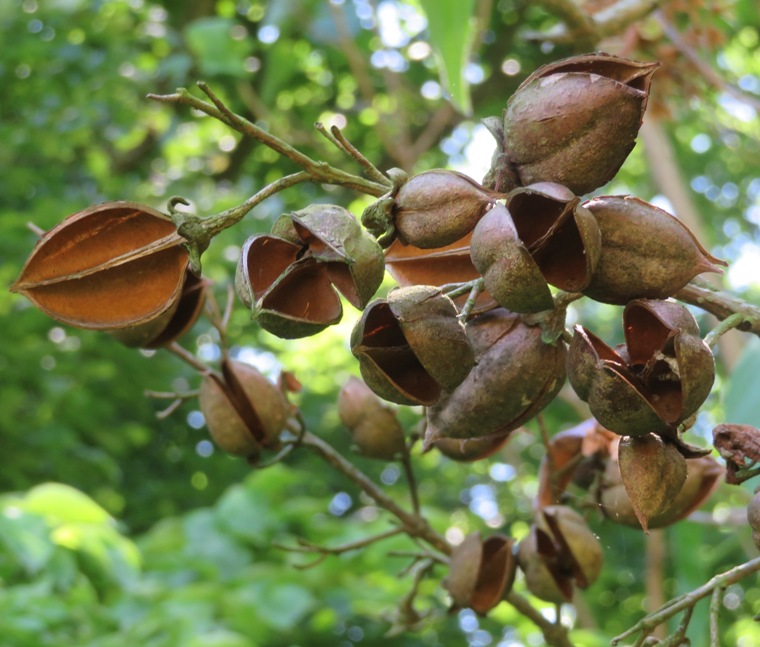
(656, 381)
(244, 411)
(113, 266)
(374, 427)
(645, 252)
(653, 472)
(467, 450)
(438, 207)
(515, 376)
(411, 346)
(703, 475)
(481, 572)
(576, 120)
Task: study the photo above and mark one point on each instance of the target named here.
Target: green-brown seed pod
(411, 346)
(645, 252)
(244, 411)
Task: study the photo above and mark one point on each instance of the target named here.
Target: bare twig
(722, 305)
(187, 357)
(729, 323)
(554, 634)
(688, 600)
(715, 604)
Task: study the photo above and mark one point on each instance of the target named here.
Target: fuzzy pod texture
(515, 376)
(438, 207)
(645, 252)
(576, 120)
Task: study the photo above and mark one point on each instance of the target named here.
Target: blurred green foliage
(120, 528)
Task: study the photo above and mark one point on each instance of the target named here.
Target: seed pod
(411, 346)
(481, 572)
(173, 323)
(373, 425)
(703, 475)
(542, 236)
(645, 252)
(244, 411)
(438, 207)
(653, 472)
(291, 286)
(575, 121)
(113, 266)
(562, 546)
(656, 381)
(515, 376)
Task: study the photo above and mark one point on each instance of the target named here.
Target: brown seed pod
(576, 120)
(244, 411)
(515, 376)
(481, 572)
(439, 207)
(113, 266)
(645, 252)
(703, 475)
(468, 450)
(653, 472)
(560, 552)
(411, 346)
(374, 427)
(656, 381)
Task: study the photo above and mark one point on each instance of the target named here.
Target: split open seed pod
(113, 266)
(411, 346)
(481, 572)
(515, 376)
(291, 282)
(576, 120)
(244, 411)
(542, 236)
(560, 552)
(410, 265)
(656, 381)
(645, 252)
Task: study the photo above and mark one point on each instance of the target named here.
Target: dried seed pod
(439, 207)
(410, 265)
(653, 472)
(374, 427)
(112, 266)
(173, 323)
(576, 120)
(562, 545)
(515, 376)
(411, 346)
(244, 411)
(645, 252)
(659, 379)
(703, 475)
(292, 286)
(542, 236)
(481, 572)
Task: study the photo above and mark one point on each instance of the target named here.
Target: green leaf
(62, 503)
(741, 404)
(451, 28)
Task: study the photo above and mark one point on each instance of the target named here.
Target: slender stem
(715, 604)
(729, 323)
(372, 171)
(411, 481)
(722, 305)
(187, 357)
(688, 600)
(454, 290)
(414, 525)
(477, 288)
